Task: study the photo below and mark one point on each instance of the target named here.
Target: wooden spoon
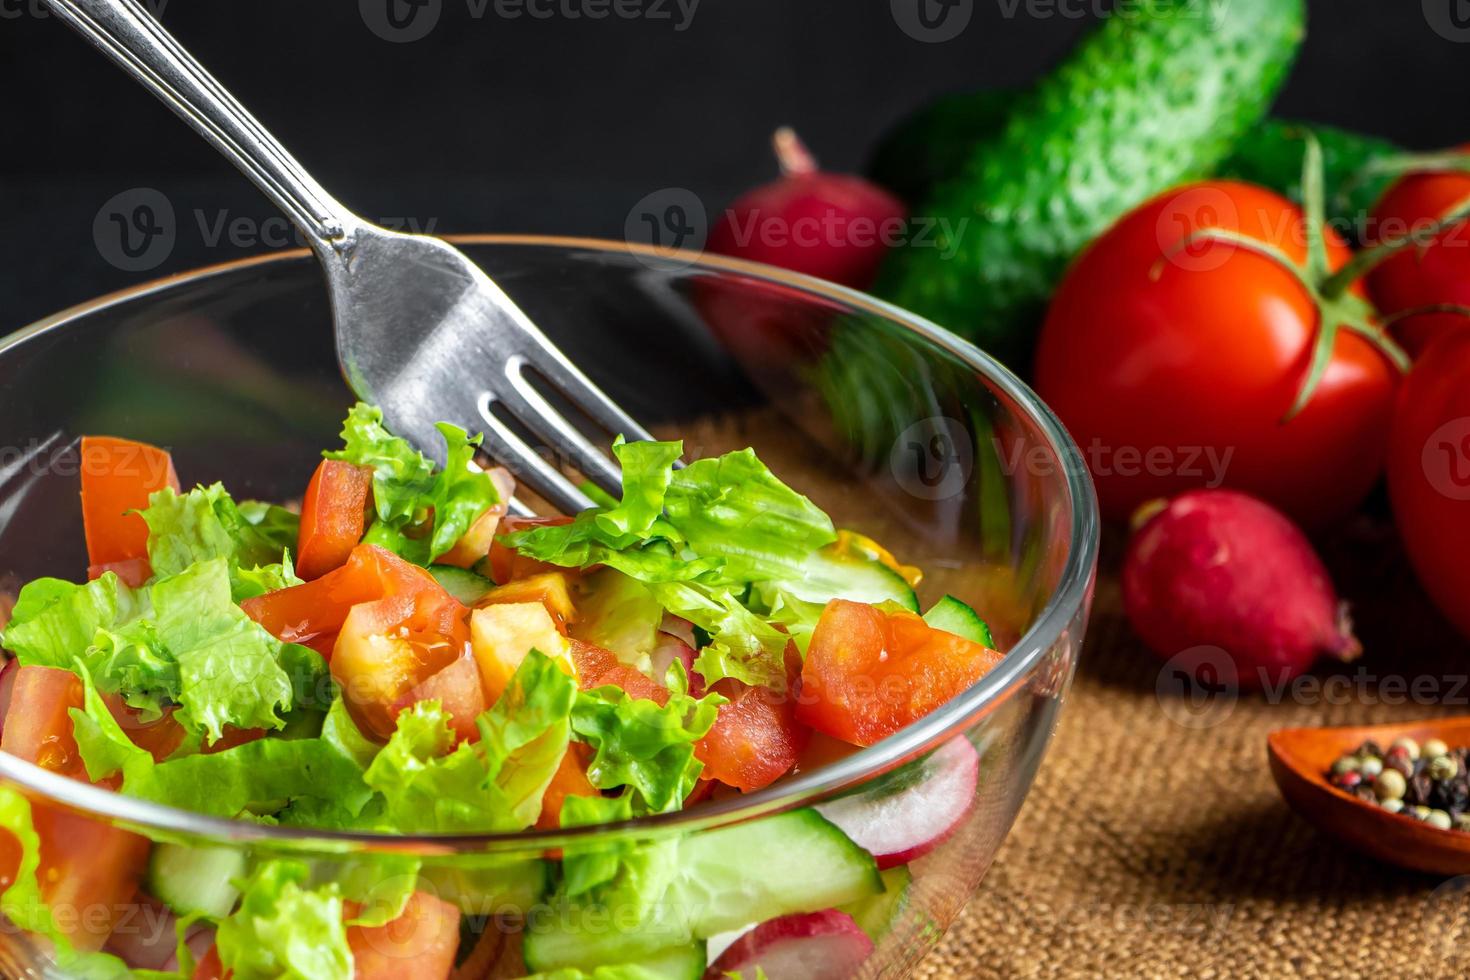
(1300, 759)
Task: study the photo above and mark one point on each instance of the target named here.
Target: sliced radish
(826, 945)
(680, 627)
(900, 826)
(668, 649)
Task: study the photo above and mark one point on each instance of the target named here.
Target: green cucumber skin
(1154, 98)
(954, 616)
(466, 586)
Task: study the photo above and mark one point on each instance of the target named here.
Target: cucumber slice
(461, 583)
(195, 880)
(721, 880)
(953, 616)
(678, 963)
(618, 613)
(490, 885)
(877, 914)
(826, 576)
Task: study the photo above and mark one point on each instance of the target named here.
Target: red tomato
(333, 516)
(756, 738)
(457, 689)
(318, 609)
(1432, 274)
(506, 564)
(570, 779)
(1429, 472)
(38, 721)
(210, 968)
(869, 673)
(133, 571)
(1181, 379)
(418, 945)
(117, 477)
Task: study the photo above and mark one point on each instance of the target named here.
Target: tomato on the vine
(1436, 273)
(1429, 472)
(1177, 367)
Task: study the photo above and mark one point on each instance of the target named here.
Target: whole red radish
(833, 226)
(1217, 570)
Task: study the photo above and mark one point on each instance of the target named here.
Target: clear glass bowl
(897, 428)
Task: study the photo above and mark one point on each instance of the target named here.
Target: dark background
(561, 124)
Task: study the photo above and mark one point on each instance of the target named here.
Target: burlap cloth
(1151, 848)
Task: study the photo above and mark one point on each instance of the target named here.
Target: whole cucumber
(1158, 95)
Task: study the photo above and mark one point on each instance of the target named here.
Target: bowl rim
(981, 698)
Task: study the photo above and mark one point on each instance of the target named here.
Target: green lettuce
(421, 512)
(283, 928)
(206, 523)
(495, 784)
(644, 746)
(54, 622)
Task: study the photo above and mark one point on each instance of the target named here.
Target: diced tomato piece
(458, 691)
(418, 945)
(756, 738)
(318, 609)
(506, 564)
(591, 661)
(597, 667)
(333, 516)
(476, 542)
(548, 588)
(210, 968)
(869, 673)
(38, 724)
(118, 475)
(133, 571)
(570, 779)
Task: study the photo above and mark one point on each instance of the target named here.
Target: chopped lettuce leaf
(647, 469)
(742, 645)
(494, 784)
(421, 512)
(229, 666)
(285, 929)
(587, 867)
(644, 746)
(54, 622)
(206, 523)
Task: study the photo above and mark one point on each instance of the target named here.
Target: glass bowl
(897, 428)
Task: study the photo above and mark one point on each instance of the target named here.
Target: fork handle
(134, 39)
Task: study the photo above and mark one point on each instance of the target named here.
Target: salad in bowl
(399, 654)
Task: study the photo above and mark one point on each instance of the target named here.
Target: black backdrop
(535, 115)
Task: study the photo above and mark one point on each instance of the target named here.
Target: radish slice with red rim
(826, 945)
(903, 824)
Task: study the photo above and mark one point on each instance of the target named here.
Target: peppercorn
(1347, 763)
(1443, 768)
(1433, 747)
(1392, 806)
(1347, 780)
(1462, 821)
(1369, 747)
(1438, 818)
(1371, 766)
(1401, 764)
(1407, 745)
(1418, 812)
(1419, 787)
(1390, 785)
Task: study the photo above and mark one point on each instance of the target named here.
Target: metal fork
(417, 322)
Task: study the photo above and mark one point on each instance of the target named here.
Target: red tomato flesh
(333, 517)
(118, 475)
(418, 945)
(869, 673)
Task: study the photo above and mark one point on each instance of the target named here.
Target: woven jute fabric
(1154, 842)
